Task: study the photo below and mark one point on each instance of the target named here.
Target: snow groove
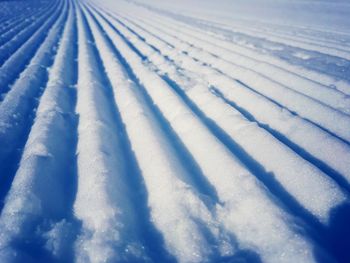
(172, 186)
(20, 25)
(133, 132)
(99, 155)
(19, 105)
(239, 45)
(189, 65)
(18, 61)
(38, 203)
(26, 11)
(294, 101)
(324, 94)
(11, 46)
(230, 194)
(213, 107)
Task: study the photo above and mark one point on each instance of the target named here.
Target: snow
(155, 131)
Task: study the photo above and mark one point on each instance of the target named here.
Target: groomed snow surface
(165, 131)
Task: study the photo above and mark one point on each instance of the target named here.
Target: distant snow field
(182, 131)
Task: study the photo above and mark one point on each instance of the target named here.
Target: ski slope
(154, 131)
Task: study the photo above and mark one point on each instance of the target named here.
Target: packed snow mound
(155, 131)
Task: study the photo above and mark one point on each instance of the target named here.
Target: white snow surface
(175, 131)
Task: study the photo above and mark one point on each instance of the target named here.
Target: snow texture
(174, 131)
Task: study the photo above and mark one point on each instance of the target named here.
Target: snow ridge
(131, 133)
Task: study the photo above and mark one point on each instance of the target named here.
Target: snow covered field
(175, 131)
